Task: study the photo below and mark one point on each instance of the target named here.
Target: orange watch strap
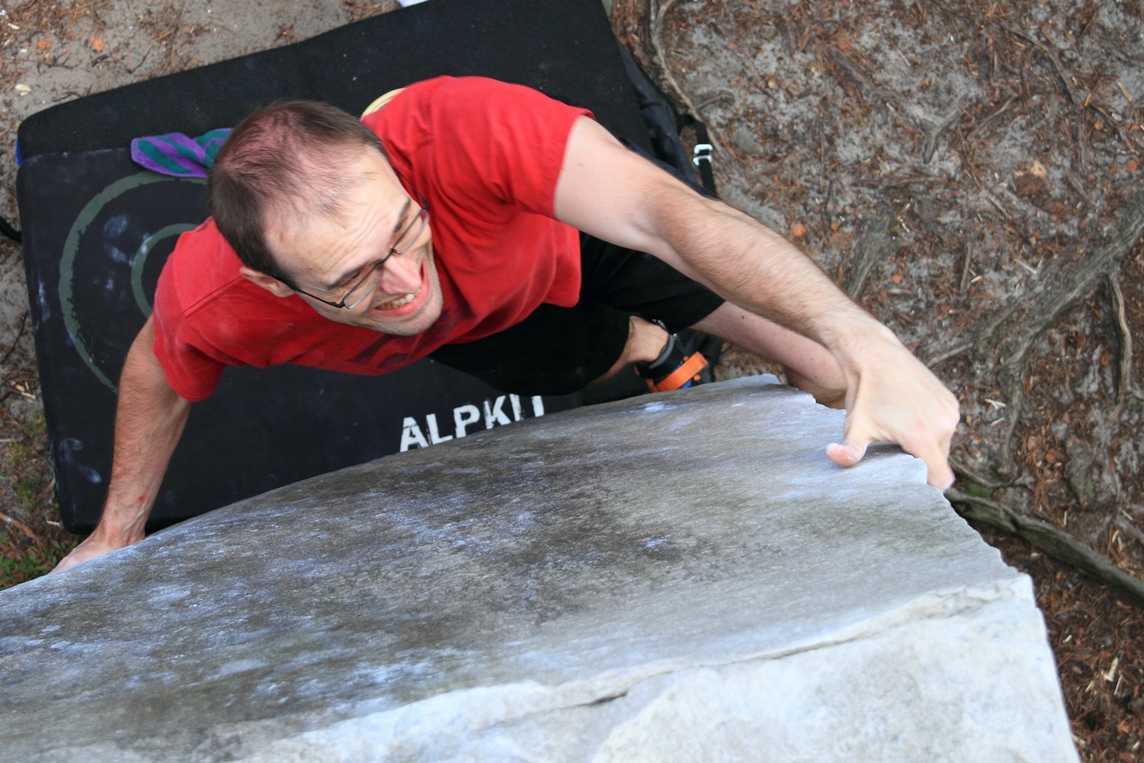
(687, 371)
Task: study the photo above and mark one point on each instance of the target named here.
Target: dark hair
(292, 157)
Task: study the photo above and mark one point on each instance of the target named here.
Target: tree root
(655, 23)
(1070, 92)
(1126, 384)
(1012, 333)
(1004, 337)
(1047, 538)
(1015, 396)
(963, 472)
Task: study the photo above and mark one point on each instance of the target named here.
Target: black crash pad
(97, 230)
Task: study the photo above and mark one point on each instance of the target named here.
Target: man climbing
(502, 233)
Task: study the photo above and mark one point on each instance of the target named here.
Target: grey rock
(679, 577)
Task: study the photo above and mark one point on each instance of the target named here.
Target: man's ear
(270, 283)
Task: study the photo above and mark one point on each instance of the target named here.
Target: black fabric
(557, 350)
(554, 351)
(661, 117)
(664, 123)
(9, 231)
(97, 230)
(642, 284)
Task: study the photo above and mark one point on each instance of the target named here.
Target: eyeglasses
(368, 282)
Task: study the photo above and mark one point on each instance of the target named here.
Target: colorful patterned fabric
(178, 155)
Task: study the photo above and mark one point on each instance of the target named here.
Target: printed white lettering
(494, 413)
(411, 434)
(434, 436)
(464, 416)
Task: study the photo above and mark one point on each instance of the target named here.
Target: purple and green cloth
(179, 155)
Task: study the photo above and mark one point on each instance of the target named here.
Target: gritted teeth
(397, 302)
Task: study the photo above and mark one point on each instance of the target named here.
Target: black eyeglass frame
(422, 219)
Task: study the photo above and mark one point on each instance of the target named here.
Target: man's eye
(349, 280)
(407, 233)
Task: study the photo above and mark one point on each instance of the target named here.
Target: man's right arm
(610, 192)
(149, 420)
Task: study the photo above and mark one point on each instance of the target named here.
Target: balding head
(288, 161)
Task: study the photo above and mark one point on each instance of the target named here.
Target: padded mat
(97, 230)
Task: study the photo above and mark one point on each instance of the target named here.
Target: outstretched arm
(149, 420)
(612, 193)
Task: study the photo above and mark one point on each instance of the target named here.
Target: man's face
(326, 255)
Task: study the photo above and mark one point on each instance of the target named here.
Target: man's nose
(401, 274)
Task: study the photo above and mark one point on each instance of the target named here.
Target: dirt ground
(969, 170)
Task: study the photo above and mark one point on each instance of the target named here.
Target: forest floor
(968, 170)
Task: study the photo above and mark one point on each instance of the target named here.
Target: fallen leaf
(43, 44)
(96, 44)
(1030, 184)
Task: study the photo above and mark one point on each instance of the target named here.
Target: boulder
(679, 577)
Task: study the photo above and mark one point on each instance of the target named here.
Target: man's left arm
(612, 193)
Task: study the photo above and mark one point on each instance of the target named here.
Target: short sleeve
(192, 373)
(497, 142)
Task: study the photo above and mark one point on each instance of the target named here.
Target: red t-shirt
(486, 156)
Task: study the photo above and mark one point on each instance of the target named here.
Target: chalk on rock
(681, 577)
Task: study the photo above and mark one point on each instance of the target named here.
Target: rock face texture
(682, 577)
